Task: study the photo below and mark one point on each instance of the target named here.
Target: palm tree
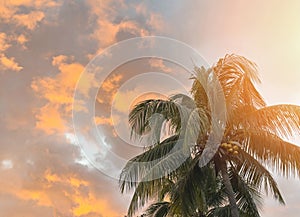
(206, 197)
(255, 136)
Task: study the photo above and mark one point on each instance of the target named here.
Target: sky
(45, 45)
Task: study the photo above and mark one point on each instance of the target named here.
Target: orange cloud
(92, 204)
(50, 120)
(22, 39)
(106, 30)
(159, 64)
(111, 83)
(103, 120)
(31, 3)
(84, 203)
(58, 91)
(7, 63)
(9, 11)
(3, 42)
(29, 20)
(114, 120)
(123, 100)
(71, 180)
(67, 193)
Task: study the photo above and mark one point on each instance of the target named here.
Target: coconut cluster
(230, 148)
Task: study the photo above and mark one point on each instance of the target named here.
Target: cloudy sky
(44, 47)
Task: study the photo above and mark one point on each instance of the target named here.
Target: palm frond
(141, 114)
(247, 195)
(158, 209)
(136, 169)
(256, 175)
(237, 75)
(144, 192)
(281, 120)
(271, 149)
(188, 194)
(198, 91)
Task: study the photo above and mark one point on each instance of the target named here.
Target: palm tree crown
(232, 181)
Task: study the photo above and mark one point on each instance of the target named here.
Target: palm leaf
(281, 120)
(158, 209)
(139, 166)
(256, 174)
(140, 115)
(236, 73)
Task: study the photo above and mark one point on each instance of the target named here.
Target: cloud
(9, 63)
(58, 92)
(44, 175)
(7, 164)
(156, 22)
(112, 83)
(3, 42)
(108, 89)
(41, 173)
(159, 64)
(10, 11)
(103, 120)
(22, 39)
(29, 20)
(50, 120)
(112, 26)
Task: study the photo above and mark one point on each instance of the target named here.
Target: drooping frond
(281, 120)
(135, 169)
(140, 115)
(158, 209)
(257, 175)
(271, 149)
(222, 211)
(188, 194)
(248, 196)
(144, 192)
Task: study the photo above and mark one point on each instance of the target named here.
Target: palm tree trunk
(229, 191)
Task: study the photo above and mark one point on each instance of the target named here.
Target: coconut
(235, 148)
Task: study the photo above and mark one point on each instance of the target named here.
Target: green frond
(188, 194)
(271, 150)
(144, 192)
(257, 175)
(247, 195)
(158, 209)
(136, 169)
(222, 211)
(141, 114)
